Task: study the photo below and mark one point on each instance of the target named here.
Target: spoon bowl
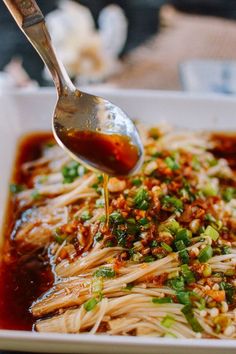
(91, 129)
(96, 118)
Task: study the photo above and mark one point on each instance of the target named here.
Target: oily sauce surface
(25, 276)
(114, 154)
(225, 147)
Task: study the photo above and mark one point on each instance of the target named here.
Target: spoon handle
(31, 21)
(26, 13)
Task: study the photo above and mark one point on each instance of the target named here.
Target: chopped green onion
(49, 144)
(131, 221)
(180, 245)
(177, 283)
(209, 190)
(212, 162)
(70, 172)
(116, 218)
(97, 188)
(172, 203)
(132, 228)
(162, 300)
(183, 254)
(170, 335)
(59, 239)
(36, 195)
(129, 287)
(211, 232)
(173, 274)
(201, 304)
(205, 254)
(98, 236)
(172, 226)
(229, 193)
(226, 250)
(90, 304)
(100, 203)
(172, 163)
(136, 182)
(143, 221)
(16, 188)
(196, 164)
(167, 321)
(102, 218)
(184, 235)
(207, 270)
(183, 297)
(230, 291)
(187, 274)
(121, 237)
(209, 217)
(85, 215)
(157, 154)
(97, 285)
(141, 199)
(149, 259)
(100, 178)
(109, 243)
(187, 310)
(166, 247)
(104, 272)
(154, 243)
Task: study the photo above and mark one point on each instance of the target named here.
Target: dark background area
(142, 15)
(221, 8)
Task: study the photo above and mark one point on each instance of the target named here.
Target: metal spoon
(77, 111)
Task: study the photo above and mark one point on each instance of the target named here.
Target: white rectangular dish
(24, 112)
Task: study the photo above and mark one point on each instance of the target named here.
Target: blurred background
(154, 44)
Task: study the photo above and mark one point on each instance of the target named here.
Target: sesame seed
(203, 313)
(214, 312)
(216, 287)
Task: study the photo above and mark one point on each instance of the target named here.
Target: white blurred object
(88, 54)
(113, 27)
(6, 81)
(218, 76)
(14, 76)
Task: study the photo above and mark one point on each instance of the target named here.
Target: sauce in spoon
(113, 154)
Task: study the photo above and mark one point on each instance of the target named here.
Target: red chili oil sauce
(23, 277)
(114, 154)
